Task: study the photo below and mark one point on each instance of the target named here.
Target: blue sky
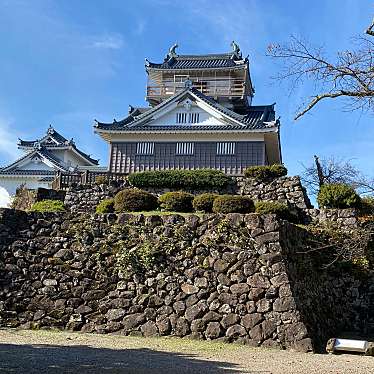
(66, 63)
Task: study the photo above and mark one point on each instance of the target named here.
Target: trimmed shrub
(184, 179)
(338, 195)
(105, 206)
(367, 206)
(134, 200)
(101, 179)
(233, 204)
(273, 207)
(204, 202)
(177, 201)
(267, 172)
(48, 206)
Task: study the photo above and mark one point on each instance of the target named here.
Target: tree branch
(369, 30)
(317, 99)
(351, 75)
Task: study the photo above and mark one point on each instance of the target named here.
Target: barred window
(226, 148)
(185, 148)
(181, 117)
(193, 117)
(145, 148)
(188, 118)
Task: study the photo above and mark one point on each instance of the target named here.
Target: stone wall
(25, 197)
(285, 189)
(344, 218)
(228, 277)
(84, 199)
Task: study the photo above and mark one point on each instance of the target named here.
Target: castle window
(226, 148)
(193, 117)
(185, 148)
(181, 117)
(187, 117)
(145, 148)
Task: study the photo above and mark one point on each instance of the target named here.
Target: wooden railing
(224, 87)
(63, 181)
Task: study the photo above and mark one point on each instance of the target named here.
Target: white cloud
(8, 143)
(109, 41)
(4, 198)
(140, 27)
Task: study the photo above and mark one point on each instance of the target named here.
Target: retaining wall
(237, 278)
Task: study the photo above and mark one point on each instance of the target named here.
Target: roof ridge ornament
(50, 130)
(37, 145)
(236, 49)
(188, 83)
(171, 54)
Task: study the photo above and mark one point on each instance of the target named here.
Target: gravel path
(28, 352)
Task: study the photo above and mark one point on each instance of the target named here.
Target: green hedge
(177, 201)
(204, 202)
(338, 195)
(134, 200)
(233, 204)
(181, 179)
(48, 206)
(265, 172)
(273, 207)
(105, 206)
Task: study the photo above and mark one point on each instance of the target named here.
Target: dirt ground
(26, 352)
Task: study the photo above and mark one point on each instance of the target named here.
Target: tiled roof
(254, 118)
(45, 173)
(225, 60)
(47, 178)
(140, 110)
(52, 158)
(42, 152)
(61, 141)
(51, 133)
(86, 156)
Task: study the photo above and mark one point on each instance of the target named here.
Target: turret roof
(43, 153)
(53, 139)
(175, 61)
(227, 60)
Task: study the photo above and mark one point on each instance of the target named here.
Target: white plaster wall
(169, 118)
(5, 198)
(11, 184)
(74, 159)
(35, 166)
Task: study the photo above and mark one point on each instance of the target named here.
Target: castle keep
(200, 115)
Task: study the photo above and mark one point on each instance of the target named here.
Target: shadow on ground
(27, 359)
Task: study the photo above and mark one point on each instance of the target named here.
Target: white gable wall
(72, 159)
(170, 117)
(32, 165)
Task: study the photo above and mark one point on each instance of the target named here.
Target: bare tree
(334, 170)
(350, 74)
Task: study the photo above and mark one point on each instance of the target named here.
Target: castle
(200, 115)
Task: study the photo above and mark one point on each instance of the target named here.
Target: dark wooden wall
(123, 157)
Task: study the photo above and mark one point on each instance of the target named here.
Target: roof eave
(99, 131)
(238, 67)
